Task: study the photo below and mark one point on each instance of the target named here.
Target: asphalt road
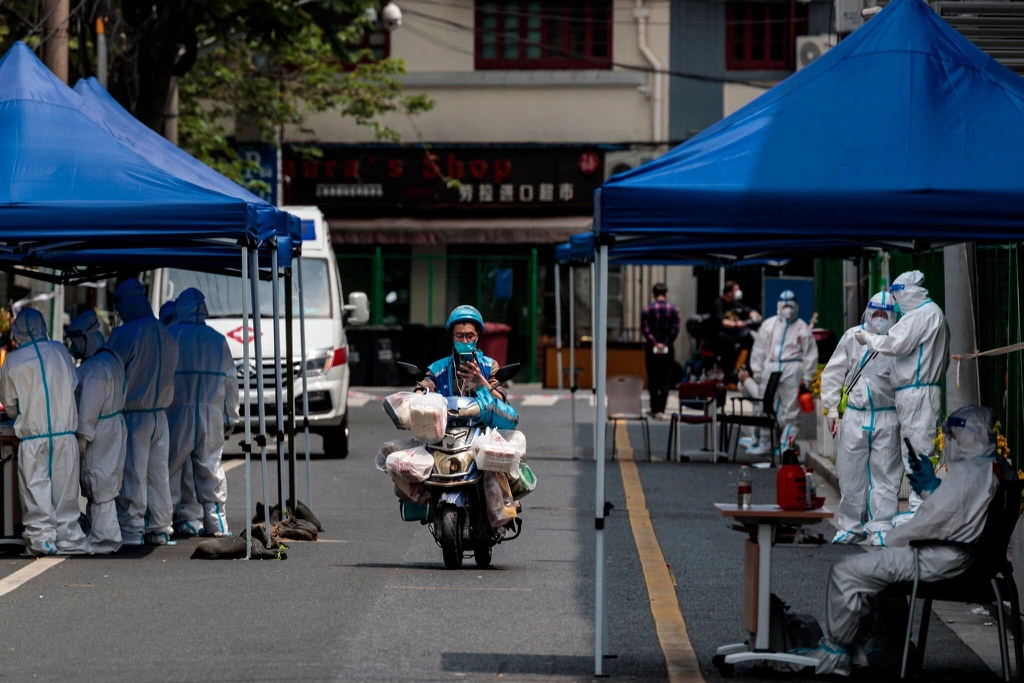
(372, 601)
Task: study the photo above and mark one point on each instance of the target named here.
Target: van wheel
(336, 440)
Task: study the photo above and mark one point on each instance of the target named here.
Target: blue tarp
(580, 249)
(62, 178)
(136, 136)
(903, 131)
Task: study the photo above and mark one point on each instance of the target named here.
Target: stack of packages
(501, 455)
(407, 460)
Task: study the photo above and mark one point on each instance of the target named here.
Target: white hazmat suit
(785, 344)
(868, 459)
(919, 344)
(955, 511)
(102, 435)
(38, 387)
(150, 357)
(205, 398)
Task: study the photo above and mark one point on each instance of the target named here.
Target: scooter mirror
(507, 372)
(412, 370)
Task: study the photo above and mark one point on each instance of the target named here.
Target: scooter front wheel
(450, 531)
(482, 554)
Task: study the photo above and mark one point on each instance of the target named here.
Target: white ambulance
(326, 316)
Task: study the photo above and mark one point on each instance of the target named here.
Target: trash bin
(494, 341)
(373, 354)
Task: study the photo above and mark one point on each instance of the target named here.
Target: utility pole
(55, 33)
(171, 117)
(101, 52)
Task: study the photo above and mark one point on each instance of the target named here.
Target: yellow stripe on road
(27, 573)
(680, 659)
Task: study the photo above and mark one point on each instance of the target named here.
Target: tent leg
(305, 394)
(593, 348)
(558, 323)
(275, 298)
(247, 398)
(289, 352)
(599, 333)
(261, 408)
(572, 354)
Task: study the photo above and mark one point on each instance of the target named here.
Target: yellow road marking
(680, 659)
(28, 572)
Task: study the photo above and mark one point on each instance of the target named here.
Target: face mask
(788, 313)
(880, 325)
(465, 347)
(737, 295)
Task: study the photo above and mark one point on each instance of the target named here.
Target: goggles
(897, 288)
(880, 307)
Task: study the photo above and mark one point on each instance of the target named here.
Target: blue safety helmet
(465, 314)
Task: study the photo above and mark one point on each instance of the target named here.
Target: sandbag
(233, 548)
(302, 512)
(412, 465)
(525, 483)
(428, 417)
(390, 447)
(501, 508)
(397, 408)
(295, 529)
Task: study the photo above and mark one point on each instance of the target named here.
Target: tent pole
(275, 298)
(261, 408)
(600, 635)
(289, 352)
(305, 394)
(558, 323)
(572, 354)
(247, 444)
(593, 346)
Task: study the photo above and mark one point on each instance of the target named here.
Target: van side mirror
(412, 370)
(507, 372)
(357, 312)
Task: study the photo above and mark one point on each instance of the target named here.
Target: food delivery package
(493, 454)
(397, 407)
(516, 438)
(428, 417)
(390, 447)
(526, 482)
(412, 492)
(501, 508)
(413, 465)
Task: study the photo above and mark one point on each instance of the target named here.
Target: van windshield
(224, 292)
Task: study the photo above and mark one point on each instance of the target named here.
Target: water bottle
(744, 488)
(812, 489)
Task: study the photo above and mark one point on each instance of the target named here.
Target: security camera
(391, 15)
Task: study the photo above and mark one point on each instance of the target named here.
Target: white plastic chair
(625, 404)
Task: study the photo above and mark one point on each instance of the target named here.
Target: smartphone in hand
(465, 358)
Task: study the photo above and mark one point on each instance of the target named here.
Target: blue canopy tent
(903, 134)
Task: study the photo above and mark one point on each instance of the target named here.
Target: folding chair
(699, 395)
(765, 421)
(626, 404)
(987, 579)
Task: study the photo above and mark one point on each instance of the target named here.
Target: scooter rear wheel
(482, 554)
(450, 528)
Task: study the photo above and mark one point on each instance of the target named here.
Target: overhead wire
(582, 58)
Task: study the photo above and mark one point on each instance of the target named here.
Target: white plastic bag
(516, 438)
(412, 492)
(397, 407)
(501, 508)
(428, 417)
(412, 465)
(493, 454)
(390, 447)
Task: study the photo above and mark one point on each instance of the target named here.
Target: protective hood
(907, 290)
(85, 333)
(968, 433)
(190, 307)
(788, 308)
(167, 312)
(29, 327)
(880, 303)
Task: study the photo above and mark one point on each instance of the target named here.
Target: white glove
(82, 443)
(833, 425)
(862, 337)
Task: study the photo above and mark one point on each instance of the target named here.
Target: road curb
(823, 467)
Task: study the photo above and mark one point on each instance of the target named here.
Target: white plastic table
(765, 518)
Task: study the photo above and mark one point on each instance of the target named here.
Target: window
(567, 34)
(761, 36)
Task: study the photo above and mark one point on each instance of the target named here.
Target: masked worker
(167, 312)
(784, 344)
(919, 344)
(183, 490)
(856, 386)
(102, 435)
(150, 358)
(37, 387)
(955, 508)
(205, 399)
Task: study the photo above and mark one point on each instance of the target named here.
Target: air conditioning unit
(809, 48)
(625, 160)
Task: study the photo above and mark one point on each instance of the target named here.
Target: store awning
(533, 230)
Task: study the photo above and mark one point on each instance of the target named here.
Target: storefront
(423, 228)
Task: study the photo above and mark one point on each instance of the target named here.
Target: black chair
(987, 579)
(765, 421)
(707, 397)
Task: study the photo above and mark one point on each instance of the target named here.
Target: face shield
(968, 433)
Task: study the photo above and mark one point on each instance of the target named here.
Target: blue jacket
(495, 412)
